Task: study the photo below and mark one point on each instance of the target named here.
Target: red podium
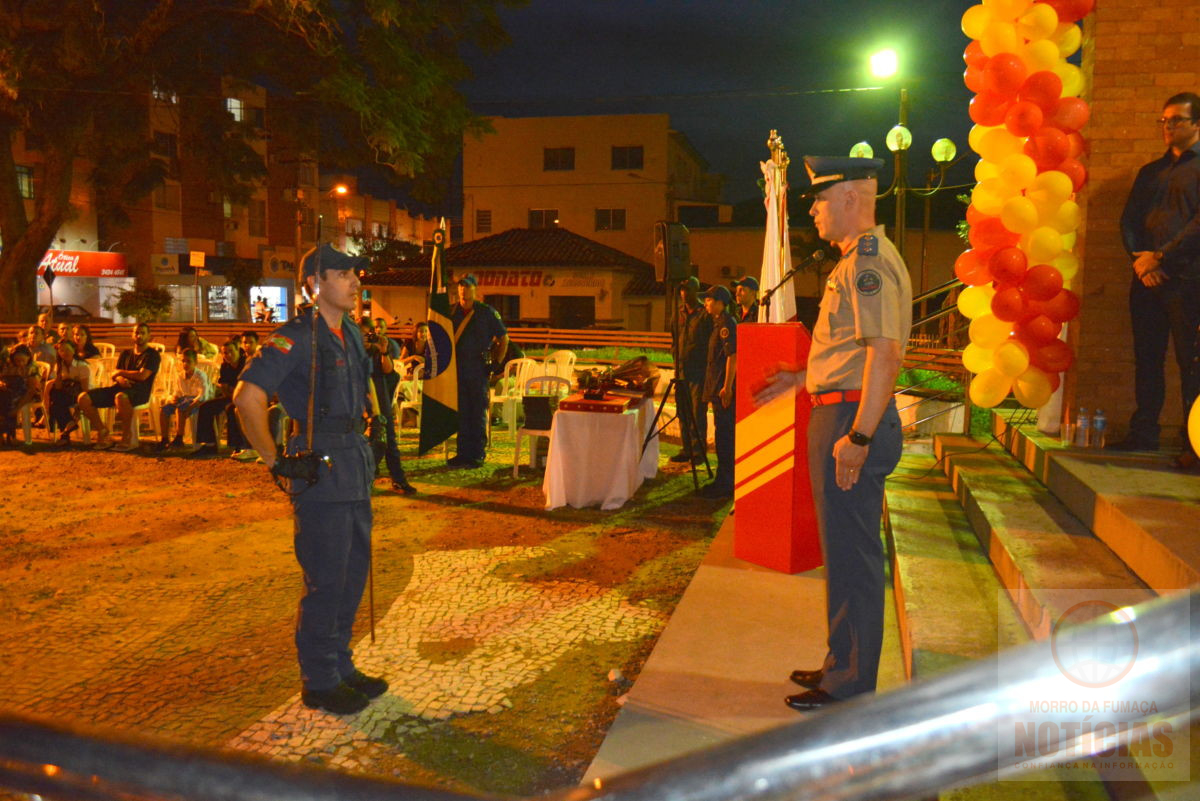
(775, 525)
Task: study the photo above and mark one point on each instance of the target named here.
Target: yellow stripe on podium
(765, 423)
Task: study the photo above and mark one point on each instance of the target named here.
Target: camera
(303, 466)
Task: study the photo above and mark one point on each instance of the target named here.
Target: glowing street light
(884, 63)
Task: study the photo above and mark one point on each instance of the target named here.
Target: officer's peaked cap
(327, 257)
(718, 292)
(825, 171)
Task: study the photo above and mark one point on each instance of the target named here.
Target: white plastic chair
(539, 385)
(508, 391)
(107, 349)
(561, 363)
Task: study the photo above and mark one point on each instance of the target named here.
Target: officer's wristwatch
(858, 438)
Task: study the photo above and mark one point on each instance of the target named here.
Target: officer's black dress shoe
(402, 486)
(370, 686)
(810, 701)
(807, 678)
(1133, 444)
(341, 700)
(681, 457)
(713, 491)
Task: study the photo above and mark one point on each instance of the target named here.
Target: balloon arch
(1023, 216)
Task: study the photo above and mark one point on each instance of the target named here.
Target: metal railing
(935, 345)
(919, 740)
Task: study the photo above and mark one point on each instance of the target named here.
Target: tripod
(689, 420)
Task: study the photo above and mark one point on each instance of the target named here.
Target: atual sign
(84, 264)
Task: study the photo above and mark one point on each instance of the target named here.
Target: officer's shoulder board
(868, 245)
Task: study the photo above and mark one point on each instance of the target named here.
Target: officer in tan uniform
(854, 436)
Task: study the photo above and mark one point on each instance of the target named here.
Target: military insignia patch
(280, 342)
(868, 282)
(725, 333)
(868, 246)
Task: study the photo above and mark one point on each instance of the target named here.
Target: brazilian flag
(439, 397)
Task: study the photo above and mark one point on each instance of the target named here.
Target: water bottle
(1083, 426)
(1099, 426)
(1066, 433)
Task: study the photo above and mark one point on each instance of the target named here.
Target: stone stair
(991, 540)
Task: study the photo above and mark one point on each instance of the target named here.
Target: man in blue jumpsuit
(332, 516)
(690, 331)
(854, 437)
(479, 337)
(720, 372)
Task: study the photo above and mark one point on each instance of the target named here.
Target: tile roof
(520, 247)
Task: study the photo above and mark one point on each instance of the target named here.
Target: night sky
(728, 72)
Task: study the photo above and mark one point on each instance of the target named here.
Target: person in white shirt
(191, 388)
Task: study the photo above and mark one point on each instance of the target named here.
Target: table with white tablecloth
(595, 458)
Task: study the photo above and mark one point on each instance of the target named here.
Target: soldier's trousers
(723, 442)
(333, 546)
(848, 522)
(692, 410)
(472, 417)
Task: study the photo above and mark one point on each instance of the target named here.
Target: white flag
(777, 250)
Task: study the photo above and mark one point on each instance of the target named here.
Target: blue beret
(825, 171)
(750, 282)
(718, 292)
(326, 257)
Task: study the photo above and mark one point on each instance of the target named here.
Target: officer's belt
(335, 425)
(835, 396)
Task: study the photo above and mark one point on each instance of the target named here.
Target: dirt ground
(156, 596)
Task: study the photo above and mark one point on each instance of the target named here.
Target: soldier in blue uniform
(746, 294)
(333, 515)
(479, 337)
(719, 374)
(854, 437)
(689, 341)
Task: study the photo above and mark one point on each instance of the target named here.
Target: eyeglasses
(1171, 122)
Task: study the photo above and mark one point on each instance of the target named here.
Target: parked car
(71, 313)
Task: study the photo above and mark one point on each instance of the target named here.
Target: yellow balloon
(1011, 358)
(988, 196)
(1043, 245)
(989, 388)
(1038, 22)
(1068, 36)
(988, 331)
(1001, 37)
(1032, 388)
(1018, 171)
(975, 21)
(975, 301)
(1065, 219)
(1193, 426)
(975, 135)
(1068, 240)
(977, 359)
(1072, 78)
(985, 170)
(1007, 10)
(1066, 263)
(1039, 55)
(1051, 186)
(998, 144)
(1019, 215)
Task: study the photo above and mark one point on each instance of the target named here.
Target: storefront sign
(514, 278)
(84, 263)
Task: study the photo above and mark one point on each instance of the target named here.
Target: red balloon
(1008, 266)
(1055, 381)
(1004, 74)
(1008, 304)
(971, 267)
(1048, 147)
(1039, 330)
(1043, 88)
(974, 55)
(988, 108)
(1077, 144)
(990, 233)
(1024, 118)
(1070, 114)
(974, 215)
(1071, 10)
(1074, 170)
(1053, 357)
(1042, 282)
(1063, 307)
(973, 78)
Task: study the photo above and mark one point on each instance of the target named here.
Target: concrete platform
(1147, 512)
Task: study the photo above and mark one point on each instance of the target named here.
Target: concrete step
(951, 607)
(1145, 511)
(1042, 554)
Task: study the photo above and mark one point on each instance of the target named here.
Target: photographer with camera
(385, 358)
(320, 369)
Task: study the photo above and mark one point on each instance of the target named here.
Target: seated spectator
(20, 384)
(232, 362)
(190, 388)
(190, 339)
(63, 331)
(132, 382)
(68, 378)
(412, 351)
(42, 350)
(84, 347)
